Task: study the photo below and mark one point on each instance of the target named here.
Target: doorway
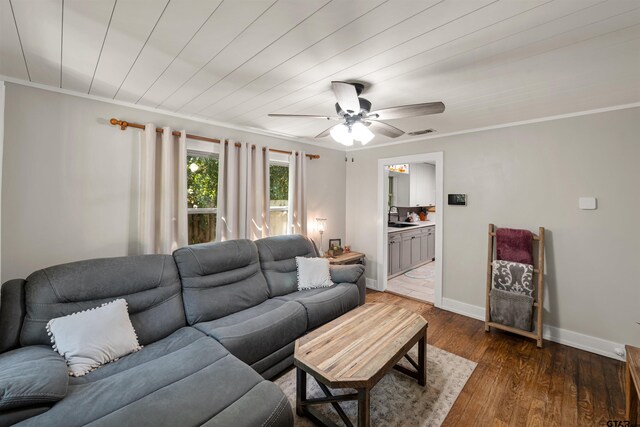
(410, 226)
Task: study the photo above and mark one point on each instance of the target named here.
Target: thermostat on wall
(457, 199)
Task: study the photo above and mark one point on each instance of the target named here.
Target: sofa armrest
(31, 376)
(12, 312)
(351, 273)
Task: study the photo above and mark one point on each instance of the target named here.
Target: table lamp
(321, 225)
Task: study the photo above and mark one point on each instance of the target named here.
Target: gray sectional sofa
(216, 321)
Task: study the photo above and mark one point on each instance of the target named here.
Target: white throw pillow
(91, 338)
(313, 273)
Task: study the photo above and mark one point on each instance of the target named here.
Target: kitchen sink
(401, 224)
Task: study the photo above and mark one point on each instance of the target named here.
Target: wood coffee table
(355, 351)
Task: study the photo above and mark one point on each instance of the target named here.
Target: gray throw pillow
(32, 375)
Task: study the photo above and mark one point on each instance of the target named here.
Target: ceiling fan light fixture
(361, 133)
(342, 134)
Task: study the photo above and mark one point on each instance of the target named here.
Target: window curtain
(232, 191)
(297, 221)
(257, 218)
(163, 191)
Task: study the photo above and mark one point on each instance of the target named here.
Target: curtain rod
(124, 125)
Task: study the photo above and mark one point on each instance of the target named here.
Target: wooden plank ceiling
(489, 61)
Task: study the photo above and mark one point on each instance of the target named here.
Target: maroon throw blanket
(514, 245)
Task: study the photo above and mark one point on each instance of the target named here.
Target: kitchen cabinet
(415, 249)
(424, 246)
(394, 254)
(431, 245)
(405, 251)
(417, 188)
(408, 249)
(422, 184)
(427, 244)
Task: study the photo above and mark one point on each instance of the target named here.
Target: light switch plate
(588, 203)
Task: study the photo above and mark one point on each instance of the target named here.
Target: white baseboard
(463, 308)
(372, 284)
(561, 336)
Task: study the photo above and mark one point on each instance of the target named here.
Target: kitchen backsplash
(402, 211)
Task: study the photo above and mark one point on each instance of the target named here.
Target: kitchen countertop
(421, 224)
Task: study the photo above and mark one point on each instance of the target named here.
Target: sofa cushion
(31, 376)
(256, 332)
(350, 273)
(219, 279)
(325, 304)
(174, 342)
(12, 313)
(263, 405)
(186, 387)
(150, 284)
(278, 260)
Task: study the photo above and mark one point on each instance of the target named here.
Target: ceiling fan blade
(347, 96)
(407, 111)
(304, 116)
(385, 129)
(324, 133)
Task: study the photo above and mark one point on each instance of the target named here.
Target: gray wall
(529, 176)
(70, 179)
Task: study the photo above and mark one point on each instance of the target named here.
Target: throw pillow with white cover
(91, 338)
(313, 273)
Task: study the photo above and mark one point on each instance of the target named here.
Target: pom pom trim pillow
(89, 339)
(313, 273)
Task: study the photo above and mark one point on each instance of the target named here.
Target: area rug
(398, 400)
(425, 272)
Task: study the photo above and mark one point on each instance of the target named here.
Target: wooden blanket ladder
(538, 272)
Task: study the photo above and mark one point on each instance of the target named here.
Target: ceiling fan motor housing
(365, 107)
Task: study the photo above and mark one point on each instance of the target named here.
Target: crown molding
(248, 129)
(501, 126)
(303, 140)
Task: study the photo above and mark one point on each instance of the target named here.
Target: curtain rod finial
(123, 125)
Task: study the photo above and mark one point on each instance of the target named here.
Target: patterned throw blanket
(512, 294)
(513, 277)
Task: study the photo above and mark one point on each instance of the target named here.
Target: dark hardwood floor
(517, 384)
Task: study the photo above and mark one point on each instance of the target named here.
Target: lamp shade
(321, 224)
(361, 133)
(342, 134)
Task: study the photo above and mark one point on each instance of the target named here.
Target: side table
(347, 258)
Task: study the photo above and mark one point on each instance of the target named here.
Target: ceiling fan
(358, 121)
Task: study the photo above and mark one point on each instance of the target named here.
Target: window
(278, 197)
(202, 196)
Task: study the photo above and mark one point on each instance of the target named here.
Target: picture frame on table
(335, 242)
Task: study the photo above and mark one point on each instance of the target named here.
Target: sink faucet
(393, 210)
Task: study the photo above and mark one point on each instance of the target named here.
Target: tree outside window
(278, 198)
(202, 197)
